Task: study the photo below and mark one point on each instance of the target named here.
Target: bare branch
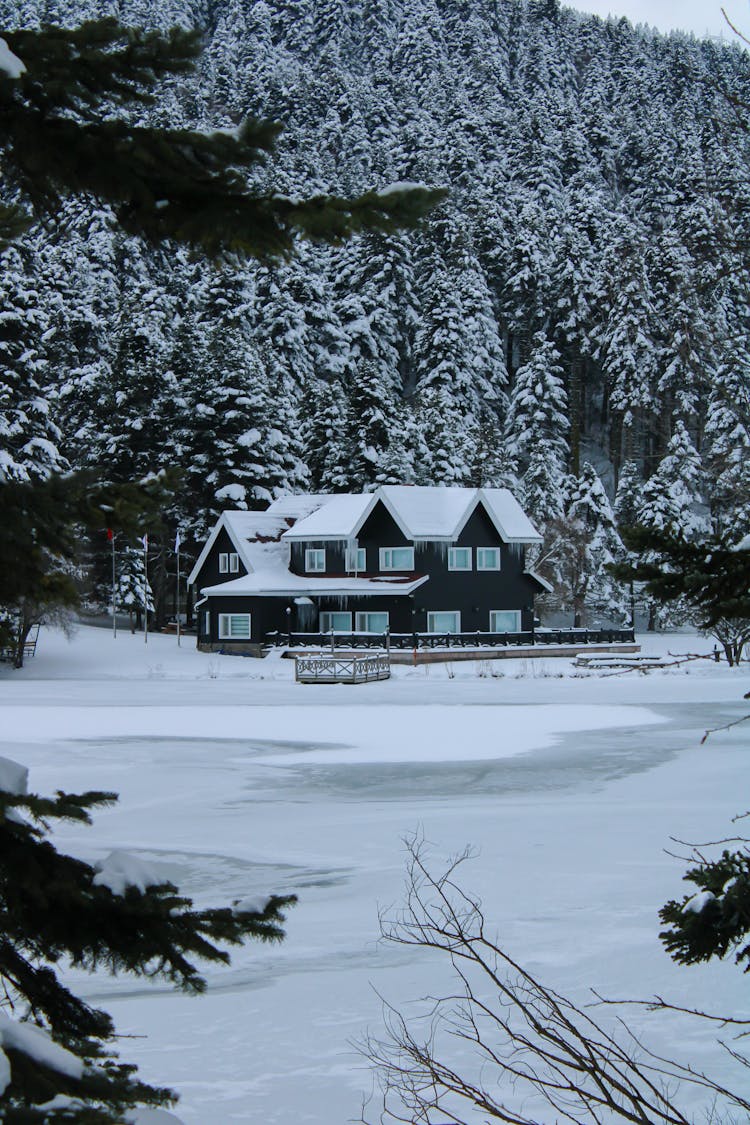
(528, 1045)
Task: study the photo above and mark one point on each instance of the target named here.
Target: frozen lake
(240, 782)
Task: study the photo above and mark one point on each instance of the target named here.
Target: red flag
(110, 534)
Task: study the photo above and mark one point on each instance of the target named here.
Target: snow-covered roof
(247, 530)
(280, 582)
(299, 506)
(339, 518)
(421, 512)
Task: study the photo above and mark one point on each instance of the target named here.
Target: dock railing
(350, 668)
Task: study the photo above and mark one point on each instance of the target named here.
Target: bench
(29, 646)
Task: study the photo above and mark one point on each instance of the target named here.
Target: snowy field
(238, 781)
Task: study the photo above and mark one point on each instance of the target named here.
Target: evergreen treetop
(59, 137)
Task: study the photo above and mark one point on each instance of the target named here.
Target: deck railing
(326, 669)
(450, 640)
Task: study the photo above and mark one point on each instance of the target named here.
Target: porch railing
(450, 640)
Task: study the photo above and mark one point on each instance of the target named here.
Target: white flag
(177, 542)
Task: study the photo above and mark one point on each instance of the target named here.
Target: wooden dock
(341, 668)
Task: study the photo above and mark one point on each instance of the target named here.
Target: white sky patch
(695, 16)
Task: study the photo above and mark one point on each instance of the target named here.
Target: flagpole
(177, 549)
(145, 589)
(114, 596)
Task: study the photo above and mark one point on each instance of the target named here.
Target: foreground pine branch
(55, 908)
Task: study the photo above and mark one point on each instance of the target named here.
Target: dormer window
(397, 558)
(229, 563)
(315, 560)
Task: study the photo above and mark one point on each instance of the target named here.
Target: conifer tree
(537, 413)
(56, 1059)
(588, 544)
(164, 184)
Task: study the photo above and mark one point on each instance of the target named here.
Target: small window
(488, 558)
(315, 559)
(207, 622)
(223, 564)
(335, 622)
(397, 558)
(372, 622)
(459, 558)
(444, 622)
(234, 563)
(356, 559)
(234, 626)
(505, 621)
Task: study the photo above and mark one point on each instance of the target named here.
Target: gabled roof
(421, 512)
(248, 531)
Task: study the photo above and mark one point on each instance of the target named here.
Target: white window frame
(481, 564)
(517, 613)
(362, 621)
(452, 565)
(439, 613)
(313, 556)
(386, 558)
(207, 622)
(224, 563)
(325, 627)
(226, 629)
(356, 559)
(234, 563)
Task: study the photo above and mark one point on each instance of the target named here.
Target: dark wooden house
(401, 560)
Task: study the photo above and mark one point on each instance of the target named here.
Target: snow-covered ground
(238, 781)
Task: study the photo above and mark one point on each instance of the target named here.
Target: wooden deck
(346, 668)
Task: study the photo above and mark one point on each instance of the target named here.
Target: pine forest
(572, 322)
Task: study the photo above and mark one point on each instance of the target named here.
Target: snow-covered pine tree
(537, 414)
(56, 1057)
(588, 542)
(133, 592)
(29, 436)
(672, 498)
(727, 446)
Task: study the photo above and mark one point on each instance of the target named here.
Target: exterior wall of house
(473, 594)
(210, 574)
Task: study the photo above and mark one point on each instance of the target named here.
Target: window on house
(505, 621)
(336, 622)
(397, 558)
(356, 559)
(207, 622)
(459, 558)
(372, 622)
(224, 564)
(234, 563)
(488, 558)
(446, 621)
(234, 626)
(315, 559)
